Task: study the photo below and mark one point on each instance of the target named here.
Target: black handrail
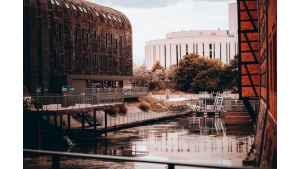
(170, 163)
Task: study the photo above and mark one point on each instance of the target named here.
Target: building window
(197, 49)
(83, 61)
(120, 63)
(110, 63)
(101, 63)
(69, 34)
(70, 60)
(82, 34)
(52, 1)
(76, 35)
(95, 34)
(127, 68)
(87, 39)
(95, 59)
(116, 44)
(121, 46)
(62, 59)
(106, 38)
(203, 49)
(87, 62)
(103, 15)
(76, 55)
(111, 40)
(226, 53)
(165, 57)
(80, 8)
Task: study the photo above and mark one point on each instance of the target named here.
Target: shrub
(145, 106)
(113, 111)
(123, 110)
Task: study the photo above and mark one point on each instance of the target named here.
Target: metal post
(171, 166)
(69, 121)
(95, 129)
(105, 123)
(55, 161)
(82, 124)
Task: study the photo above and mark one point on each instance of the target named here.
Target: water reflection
(202, 139)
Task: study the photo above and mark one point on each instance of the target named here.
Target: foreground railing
(56, 155)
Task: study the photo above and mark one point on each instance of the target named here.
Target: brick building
(75, 43)
(257, 22)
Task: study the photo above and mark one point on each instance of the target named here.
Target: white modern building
(217, 44)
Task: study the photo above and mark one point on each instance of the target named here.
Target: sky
(153, 19)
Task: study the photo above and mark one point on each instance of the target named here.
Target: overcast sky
(153, 19)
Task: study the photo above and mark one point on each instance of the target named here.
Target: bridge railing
(41, 103)
(56, 155)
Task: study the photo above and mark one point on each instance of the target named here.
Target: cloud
(146, 3)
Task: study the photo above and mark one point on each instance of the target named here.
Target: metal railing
(44, 103)
(56, 155)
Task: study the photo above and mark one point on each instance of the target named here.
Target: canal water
(200, 139)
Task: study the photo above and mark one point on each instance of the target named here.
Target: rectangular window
(127, 68)
(101, 63)
(62, 59)
(106, 39)
(76, 55)
(69, 34)
(82, 34)
(226, 53)
(120, 63)
(197, 49)
(87, 39)
(203, 49)
(116, 44)
(59, 32)
(87, 62)
(70, 60)
(121, 39)
(111, 40)
(110, 63)
(83, 61)
(76, 35)
(95, 59)
(214, 51)
(95, 34)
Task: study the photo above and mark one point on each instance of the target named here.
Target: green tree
(142, 72)
(186, 71)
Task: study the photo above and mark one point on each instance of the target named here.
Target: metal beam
(250, 110)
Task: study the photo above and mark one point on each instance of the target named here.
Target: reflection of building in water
(188, 144)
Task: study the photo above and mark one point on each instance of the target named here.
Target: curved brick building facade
(72, 43)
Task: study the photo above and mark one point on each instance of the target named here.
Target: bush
(145, 106)
(123, 110)
(113, 111)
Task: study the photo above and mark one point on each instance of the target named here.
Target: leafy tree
(142, 72)
(186, 71)
(156, 66)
